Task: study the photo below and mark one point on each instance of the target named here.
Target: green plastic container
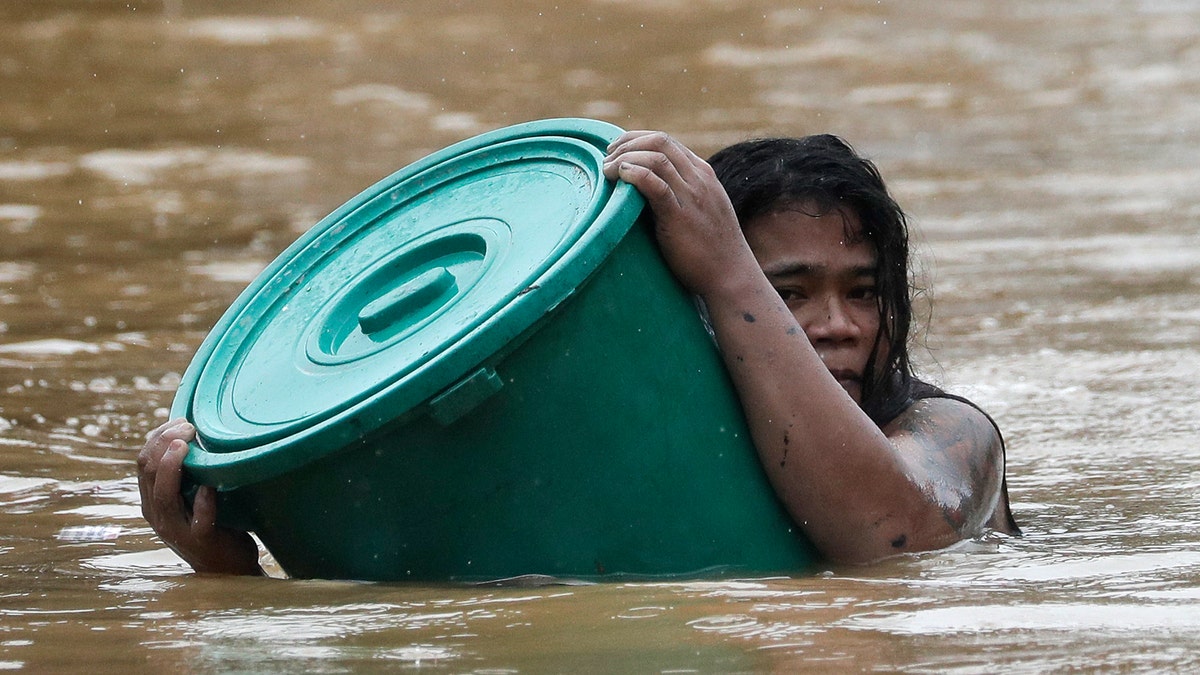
(481, 368)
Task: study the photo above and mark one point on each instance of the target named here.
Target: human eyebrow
(798, 269)
(791, 269)
(871, 271)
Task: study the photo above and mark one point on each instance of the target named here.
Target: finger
(204, 511)
(626, 138)
(147, 462)
(658, 184)
(158, 431)
(658, 163)
(146, 490)
(158, 439)
(154, 444)
(180, 429)
(684, 160)
(167, 503)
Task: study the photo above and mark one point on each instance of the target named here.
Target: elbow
(888, 537)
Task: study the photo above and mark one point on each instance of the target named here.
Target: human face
(828, 281)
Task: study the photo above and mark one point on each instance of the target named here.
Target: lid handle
(402, 302)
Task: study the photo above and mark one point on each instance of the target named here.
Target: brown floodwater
(154, 156)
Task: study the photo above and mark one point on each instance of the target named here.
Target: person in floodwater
(800, 257)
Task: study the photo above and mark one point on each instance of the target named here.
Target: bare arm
(931, 478)
(859, 492)
(193, 534)
(956, 457)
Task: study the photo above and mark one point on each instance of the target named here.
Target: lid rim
(617, 206)
(238, 421)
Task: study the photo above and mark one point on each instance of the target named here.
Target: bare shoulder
(946, 423)
(955, 454)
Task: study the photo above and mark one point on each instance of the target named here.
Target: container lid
(400, 293)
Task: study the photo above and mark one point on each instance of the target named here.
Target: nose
(831, 321)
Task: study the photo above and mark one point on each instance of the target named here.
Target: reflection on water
(154, 156)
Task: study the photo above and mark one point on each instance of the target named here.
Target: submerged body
(799, 279)
(801, 290)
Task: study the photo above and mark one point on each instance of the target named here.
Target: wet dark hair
(825, 173)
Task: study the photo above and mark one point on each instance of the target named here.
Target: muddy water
(154, 156)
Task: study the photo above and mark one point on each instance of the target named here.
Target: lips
(846, 376)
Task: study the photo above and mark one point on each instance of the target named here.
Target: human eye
(865, 291)
(791, 294)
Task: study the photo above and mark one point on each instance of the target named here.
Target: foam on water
(141, 167)
(253, 30)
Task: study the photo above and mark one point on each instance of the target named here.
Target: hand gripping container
(479, 368)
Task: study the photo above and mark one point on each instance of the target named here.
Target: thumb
(204, 510)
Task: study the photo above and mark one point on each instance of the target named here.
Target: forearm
(833, 468)
(859, 494)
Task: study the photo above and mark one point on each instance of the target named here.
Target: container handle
(393, 307)
(464, 396)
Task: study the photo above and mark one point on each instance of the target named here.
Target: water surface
(154, 156)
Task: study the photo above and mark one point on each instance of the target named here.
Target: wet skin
(827, 280)
(789, 299)
(192, 533)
